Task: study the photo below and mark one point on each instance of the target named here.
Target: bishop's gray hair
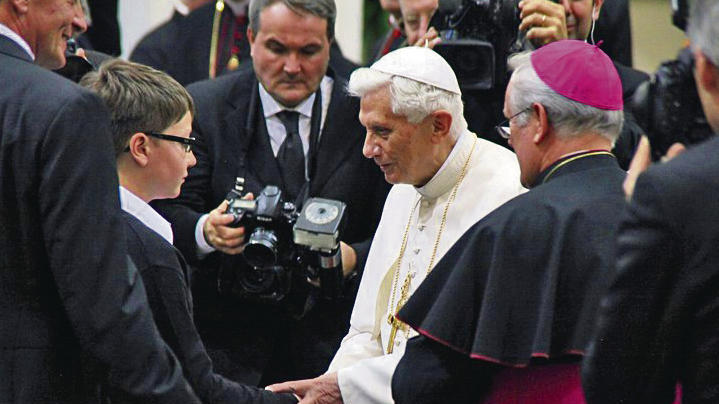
(410, 98)
(704, 28)
(568, 117)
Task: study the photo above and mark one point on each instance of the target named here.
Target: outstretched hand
(320, 390)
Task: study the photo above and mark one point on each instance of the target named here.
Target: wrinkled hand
(642, 160)
(543, 21)
(218, 234)
(320, 390)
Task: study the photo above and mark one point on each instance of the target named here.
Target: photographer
(286, 121)
(657, 325)
(541, 22)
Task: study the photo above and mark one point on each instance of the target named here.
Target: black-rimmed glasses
(503, 127)
(188, 142)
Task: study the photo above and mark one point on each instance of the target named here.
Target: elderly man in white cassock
(446, 179)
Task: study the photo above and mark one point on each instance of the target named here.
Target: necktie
(291, 157)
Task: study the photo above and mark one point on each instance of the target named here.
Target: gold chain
(219, 7)
(404, 293)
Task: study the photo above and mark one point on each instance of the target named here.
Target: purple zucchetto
(580, 72)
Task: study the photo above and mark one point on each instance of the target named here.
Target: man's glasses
(187, 142)
(503, 127)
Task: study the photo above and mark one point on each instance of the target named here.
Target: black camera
(286, 246)
(667, 107)
(477, 37)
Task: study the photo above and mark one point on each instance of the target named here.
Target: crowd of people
(484, 255)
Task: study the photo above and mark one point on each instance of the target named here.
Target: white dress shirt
(135, 206)
(492, 178)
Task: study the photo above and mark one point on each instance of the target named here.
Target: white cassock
(491, 178)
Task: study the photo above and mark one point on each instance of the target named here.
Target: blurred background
(360, 22)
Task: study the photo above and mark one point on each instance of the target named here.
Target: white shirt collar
(135, 206)
(238, 7)
(4, 30)
(271, 107)
(447, 175)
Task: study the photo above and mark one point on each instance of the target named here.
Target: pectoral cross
(391, 320)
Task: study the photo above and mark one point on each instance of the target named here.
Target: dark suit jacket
(167, 280)
(226, 116)
(658, 324)
(66, 285)
(181, 47)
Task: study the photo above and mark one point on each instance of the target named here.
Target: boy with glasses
(151, 121)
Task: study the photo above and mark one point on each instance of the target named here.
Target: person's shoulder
(631, 78)
(241, 81)
(147, 248)
(696, 167)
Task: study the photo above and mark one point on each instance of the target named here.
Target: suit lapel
(336, 144)
(247, 138)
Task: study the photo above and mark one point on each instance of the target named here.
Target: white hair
(568, 117)
(409, 98)
(704, 28)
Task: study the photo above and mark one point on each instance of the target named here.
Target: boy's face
(169, 162)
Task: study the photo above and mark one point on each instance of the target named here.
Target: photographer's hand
(642, 160)
(416, 15)
(349, 259)
(229, 240)
(543, 21)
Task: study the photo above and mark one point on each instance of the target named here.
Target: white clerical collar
(238, 7)
(271, 107)
(135, 206)
(447, 175)
(4, 30)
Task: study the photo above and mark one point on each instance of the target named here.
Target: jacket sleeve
(629, 360)
(169, 294)
(83, 233)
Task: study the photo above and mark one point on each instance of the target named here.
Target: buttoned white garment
(492, 178)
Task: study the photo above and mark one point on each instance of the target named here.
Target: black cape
(525, 281)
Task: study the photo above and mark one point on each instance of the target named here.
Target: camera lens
(261, 249)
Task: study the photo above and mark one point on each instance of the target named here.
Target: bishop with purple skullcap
(580, 72)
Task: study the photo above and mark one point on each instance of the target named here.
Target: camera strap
(315, 123)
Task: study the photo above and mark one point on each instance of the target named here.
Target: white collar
(447, 175)
(238, 7)
(270, 106)
(135, 206)
(5, 30)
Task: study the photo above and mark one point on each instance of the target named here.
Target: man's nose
(79, 23)
(292, 63)
(567, 6)
(369, 149)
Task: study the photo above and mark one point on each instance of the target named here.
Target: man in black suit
(658, 323)
(68, 291)
(182, 47)
(241, 133)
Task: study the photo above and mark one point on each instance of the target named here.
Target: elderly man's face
(401, 149)
(290, 53)
(416, 15)
(50, 23)
(520, 139)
